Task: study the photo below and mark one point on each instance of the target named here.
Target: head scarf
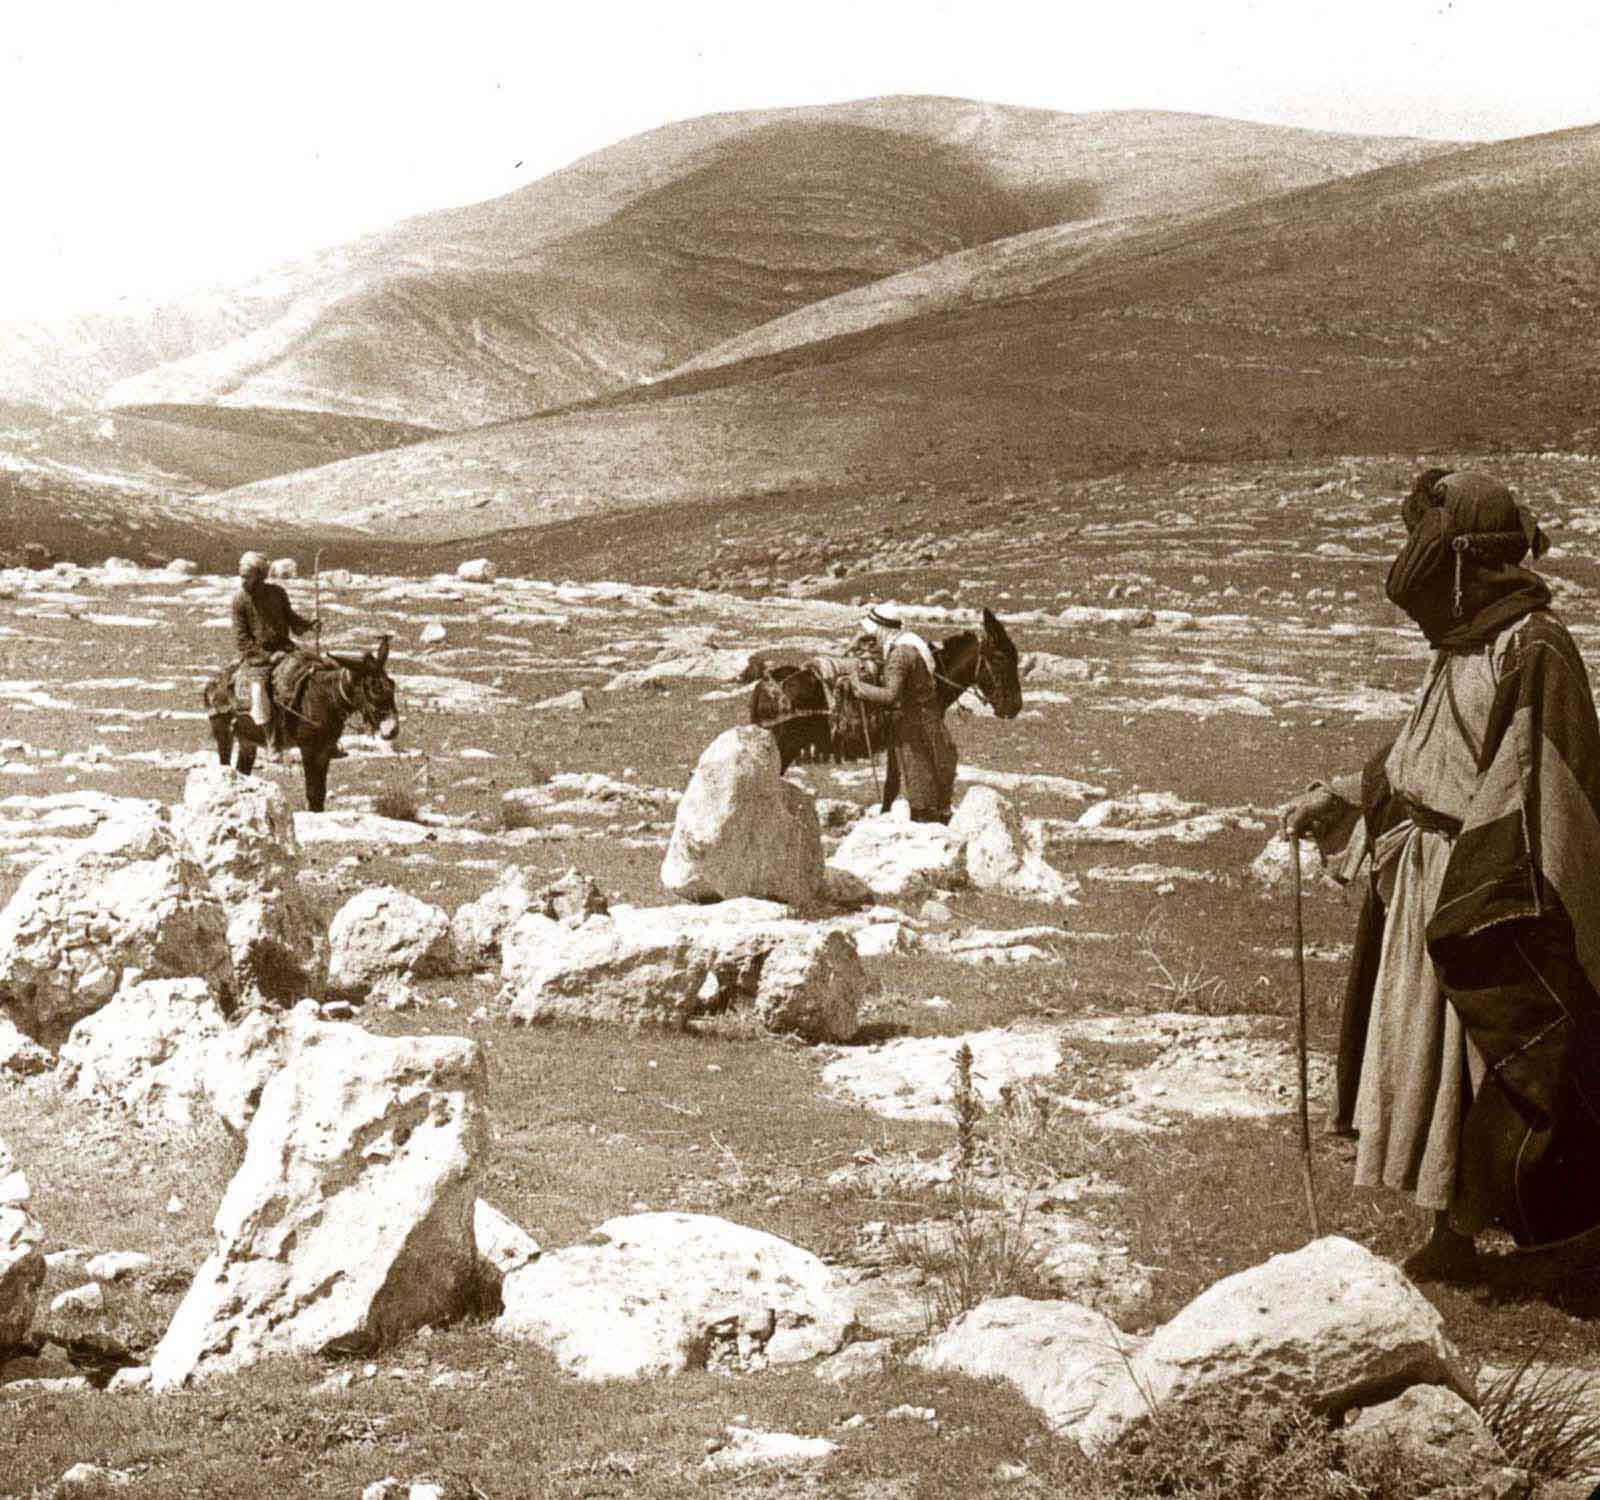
(252, 563)
(1457, 575)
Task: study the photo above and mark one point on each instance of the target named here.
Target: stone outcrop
(147, 1051)
(503, 1246)
(655, 1294)
(812, 987)
(382, 932)
(741, 829)
(351, 1220)
(602, 970)
(21, 1273)
(240, 831)
(1440, 1437)
(1332, 1325)
(478, 928)
(887, 856)
(128, 898)
(998, 854)
(1060, 1355)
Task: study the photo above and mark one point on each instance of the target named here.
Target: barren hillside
(1437, 304)
(557, 290)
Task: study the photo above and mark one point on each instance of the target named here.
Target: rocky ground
(1191, 653)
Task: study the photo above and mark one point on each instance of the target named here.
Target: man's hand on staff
(1309, 813)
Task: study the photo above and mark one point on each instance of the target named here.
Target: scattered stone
(128, 897)
(1331, 1324)
(576, 702)
(1060, 1355)
(91, 1478)
(888, 857)
(350, 1221)
(20, 1055)
(870, 1357)
(89, 1298)
(998, 857)
(477, 570)
(383, 930)
(147, 1050)
(812, 987)
(502, 1246)
(601, 971)
(748, 1449)
(14, 1189)
(741, 829)
(284, 567)
(913, 1078)
(478, 929)
(130, 1378)
(114, 1265)
(658, 1293)
(431, 634)
(1439, 1435)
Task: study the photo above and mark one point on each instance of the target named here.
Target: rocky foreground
(186, 959)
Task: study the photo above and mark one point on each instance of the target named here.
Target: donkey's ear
(382, 654)
(990, 619)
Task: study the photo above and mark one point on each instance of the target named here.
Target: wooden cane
(316, 586)
(1300, 1042)
(866, 734)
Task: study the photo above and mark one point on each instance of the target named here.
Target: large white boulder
(350, 1221)
(22, 1271)
(382, 932)
(741, 829)
(603, 970)
(886, 855)
(914, 1077)
(998, 855)
(1060, 1355)
(129, 897)
(476, 570)
(812, 987)
(146, 1051)
(240, 831)
(1331, 1325)
(654, 1294)
(478, 928)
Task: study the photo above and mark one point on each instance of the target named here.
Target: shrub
(1546, 1418)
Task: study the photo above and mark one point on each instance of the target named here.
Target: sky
(155, 148)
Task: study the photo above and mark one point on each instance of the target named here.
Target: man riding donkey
(264, 622)
(1470, 1055)
(922, 756)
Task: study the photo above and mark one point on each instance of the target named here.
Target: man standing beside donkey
(1471, 1047)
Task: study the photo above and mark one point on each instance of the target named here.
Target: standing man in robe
(1479, 1073)
(922, 756)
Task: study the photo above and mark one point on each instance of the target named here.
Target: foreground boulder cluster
(171, 966)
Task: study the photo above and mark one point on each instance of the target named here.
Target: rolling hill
(645, 255)
(1447, 303)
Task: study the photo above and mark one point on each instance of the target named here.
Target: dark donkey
(337, 685)
(793, 702)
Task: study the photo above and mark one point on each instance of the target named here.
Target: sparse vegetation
(1546, 1418)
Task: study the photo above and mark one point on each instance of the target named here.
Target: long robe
(922, 755)
(1480, 1076)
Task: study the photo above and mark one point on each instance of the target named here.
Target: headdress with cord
(1458, 575)
(880, 619)
(252, 562)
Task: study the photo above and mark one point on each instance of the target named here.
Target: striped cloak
(1515, 937)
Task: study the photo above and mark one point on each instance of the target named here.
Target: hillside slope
(1447, 303)
(549, 293)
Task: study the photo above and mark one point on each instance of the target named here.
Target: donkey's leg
(247, 757)
(222, 734)
(316, 769)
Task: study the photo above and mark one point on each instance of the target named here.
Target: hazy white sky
(156, 146)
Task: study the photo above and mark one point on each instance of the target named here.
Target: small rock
(89, 1298)
(854, 1361)
(115, 1264)
(431, 634)
(908, 1413)
(130, 1378)
(92, 1477)
(477, 570)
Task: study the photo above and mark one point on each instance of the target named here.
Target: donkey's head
(369, 689)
